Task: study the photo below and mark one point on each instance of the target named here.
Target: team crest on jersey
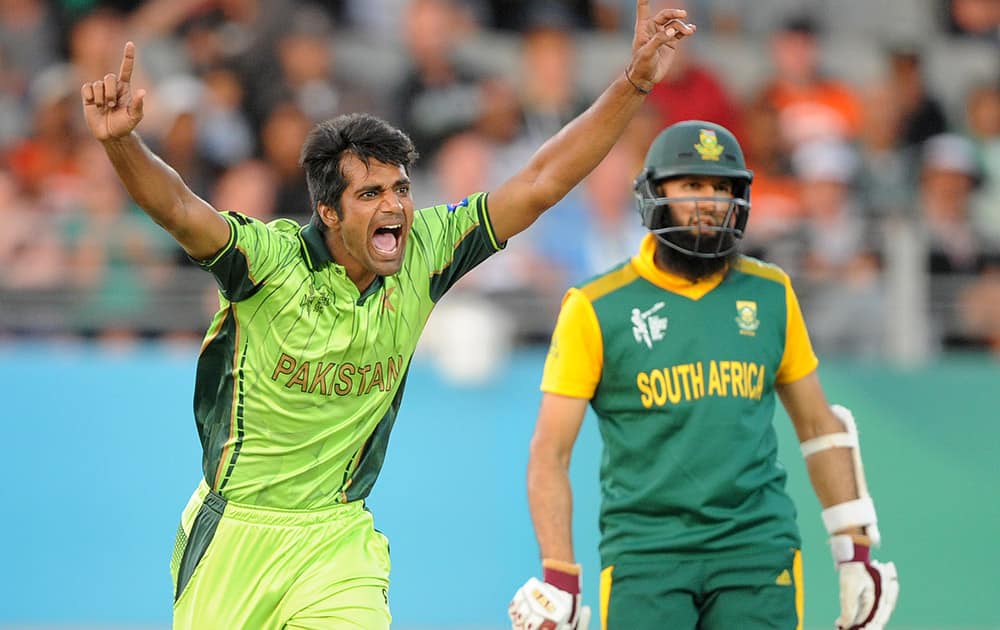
(708, 146)
(746, 317)
(647, 326)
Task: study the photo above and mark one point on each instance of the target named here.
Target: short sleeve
(798, 359)
(576, 355)
(254, 252)
(454, 239)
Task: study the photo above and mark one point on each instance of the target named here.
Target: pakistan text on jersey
(340, 379)
(688, 382)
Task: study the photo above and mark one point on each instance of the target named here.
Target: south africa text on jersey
(687, 382)
(340, 379)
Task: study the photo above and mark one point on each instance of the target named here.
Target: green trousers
(750, 592)
(237, 566)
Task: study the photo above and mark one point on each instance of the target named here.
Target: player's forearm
(832, 475)
(152, 183)
(566, 158)
(550, 499)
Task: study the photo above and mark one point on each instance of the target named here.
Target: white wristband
(856, 513)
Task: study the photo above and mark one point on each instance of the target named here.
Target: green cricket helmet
(695, 147)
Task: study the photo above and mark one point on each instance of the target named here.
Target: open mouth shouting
(388, 240)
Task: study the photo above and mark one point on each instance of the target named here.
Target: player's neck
(354, 269)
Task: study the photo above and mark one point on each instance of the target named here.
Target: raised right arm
(112, 112)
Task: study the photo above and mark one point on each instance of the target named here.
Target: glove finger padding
(541, 606)
(868, 593)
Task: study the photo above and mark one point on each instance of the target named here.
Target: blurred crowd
(873, 129)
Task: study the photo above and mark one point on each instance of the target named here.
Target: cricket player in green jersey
(301, 374)
(680, 352)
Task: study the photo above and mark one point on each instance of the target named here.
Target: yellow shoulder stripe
(609, 282)
(755, 267)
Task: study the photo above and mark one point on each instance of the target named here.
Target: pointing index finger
(128, 62)
(641, 10)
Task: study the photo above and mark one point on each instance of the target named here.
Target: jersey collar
(645, 266)
(314, 248)
(317, 256)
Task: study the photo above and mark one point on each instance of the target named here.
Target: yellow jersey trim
(754, 267)
(575, 360)
(644, 264)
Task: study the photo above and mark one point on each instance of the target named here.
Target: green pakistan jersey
(301, 375)
(681, 376)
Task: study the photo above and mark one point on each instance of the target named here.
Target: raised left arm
(566, 158)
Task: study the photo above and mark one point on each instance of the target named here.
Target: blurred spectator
(594, 228)
(979, 304)
(837, 264)
(117, 255)
(920, 114)
(887, 174)
(31, 254)
(44, 163)
(547, 87)
(949, 174)
(834, 230)
(776, 207)
(957, 252)
(982, 114)
(523, 15)
(249, 187)
(438, 97)
(810, 106)
(224, 133)
(174, 131)
(95, 44)
(28, 37)
(974, 18)
(241, 35)
(692, 91)
(309, 74)
(500, 119)
(281, 139)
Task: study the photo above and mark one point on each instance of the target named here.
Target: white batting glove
(550, 605)
(868, 589)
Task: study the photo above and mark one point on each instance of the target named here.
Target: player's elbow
(546, 453)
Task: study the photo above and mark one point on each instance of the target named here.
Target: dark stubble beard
(693, 268)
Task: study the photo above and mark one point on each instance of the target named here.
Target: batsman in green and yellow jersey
(301, 374)
(680, 352)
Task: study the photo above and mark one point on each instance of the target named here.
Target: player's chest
(655, 329)
(330, 323)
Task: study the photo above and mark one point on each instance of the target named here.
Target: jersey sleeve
(576, 355)
(799, 358)
(454, 239)
(254, 252)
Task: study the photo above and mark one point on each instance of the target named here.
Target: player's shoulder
(284, 226)
(751, 266)
(281, 225)
(606, 283)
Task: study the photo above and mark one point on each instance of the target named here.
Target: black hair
(366, 137)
